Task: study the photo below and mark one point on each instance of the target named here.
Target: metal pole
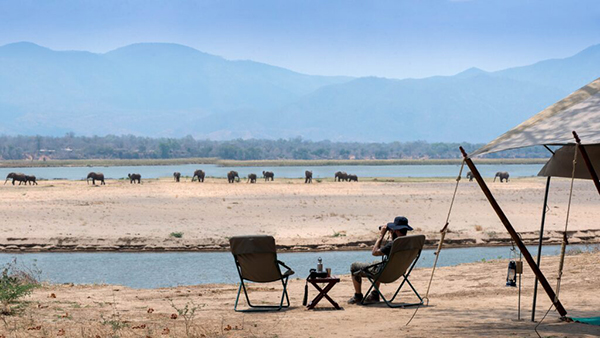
(520, 277)
(587, 161)
(539, 253)
(515, 236)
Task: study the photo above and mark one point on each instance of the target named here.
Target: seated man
(398, 228)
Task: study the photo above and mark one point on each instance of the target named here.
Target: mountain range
(169, 90)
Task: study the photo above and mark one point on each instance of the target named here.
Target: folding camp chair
(256, 261)
(403, 257)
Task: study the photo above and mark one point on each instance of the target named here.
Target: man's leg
(373, 297)
(357, 281)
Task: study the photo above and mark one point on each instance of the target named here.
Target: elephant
(177, 176)
(308, 176)
(135, 177)
(470, 176)
(200, 174)
(268, 175)
(31, 179)
(503, 176)
(96, 176)
(352, 178)
(340, 176)
(16, 177)
(251, 178)
(231, 176)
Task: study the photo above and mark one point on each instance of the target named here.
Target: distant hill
(172, 90)
(144, 89)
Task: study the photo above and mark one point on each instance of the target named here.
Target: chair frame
(373, 278)
(261, 308)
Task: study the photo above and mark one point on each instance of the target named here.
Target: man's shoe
(373, 297)
(356, 299)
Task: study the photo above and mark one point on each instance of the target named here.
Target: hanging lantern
(511, 277)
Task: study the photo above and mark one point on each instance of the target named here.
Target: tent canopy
(554, 125)
(561, 163)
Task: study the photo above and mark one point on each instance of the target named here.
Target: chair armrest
(285, 266)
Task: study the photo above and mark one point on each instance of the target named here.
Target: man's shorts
(357, 266)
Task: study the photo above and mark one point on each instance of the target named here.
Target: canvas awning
(554, 125)
(561, 163)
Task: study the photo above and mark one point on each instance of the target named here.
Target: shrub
(339, 234)
(16, 282)
(176, 234)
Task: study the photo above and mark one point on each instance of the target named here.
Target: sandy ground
(71, 215)
(466, 300)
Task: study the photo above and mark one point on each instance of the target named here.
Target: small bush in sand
(339, 234)
(188, 313)
(16, 282)
(176, 234)
(478, 228)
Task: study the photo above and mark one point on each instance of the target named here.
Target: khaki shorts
(357, 266)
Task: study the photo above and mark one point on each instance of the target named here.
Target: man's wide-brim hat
(399, 223)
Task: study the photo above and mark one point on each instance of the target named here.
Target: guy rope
(440, 244)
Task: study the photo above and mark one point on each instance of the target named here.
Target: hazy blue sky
(382, 38)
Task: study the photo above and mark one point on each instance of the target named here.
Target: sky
(394, 39)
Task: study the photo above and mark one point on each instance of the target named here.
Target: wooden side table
(331, 282)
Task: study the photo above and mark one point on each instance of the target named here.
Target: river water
(155, 270)
(212, 170)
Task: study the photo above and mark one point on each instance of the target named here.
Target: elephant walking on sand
(268, 175)
(31, 179)
(200, 174)
(232, 175)
(251, 178)
(470, 176)
(352, 178)
(340, 176)
(503, 176)
(16, 177)
(308, 176)
(96, 176)
(177, 176)
(135, 177)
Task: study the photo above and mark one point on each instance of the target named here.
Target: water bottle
(320, 265)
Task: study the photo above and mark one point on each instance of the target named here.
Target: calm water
(155, 270)
(78, 173)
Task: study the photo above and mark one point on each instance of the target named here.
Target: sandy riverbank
(469, 300)
(71, 215)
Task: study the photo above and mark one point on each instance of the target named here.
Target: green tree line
(71, 147)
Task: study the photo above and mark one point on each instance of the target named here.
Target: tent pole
(514, 235)
(587, 161)
(539, 253)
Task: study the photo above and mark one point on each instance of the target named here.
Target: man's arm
(377, 246)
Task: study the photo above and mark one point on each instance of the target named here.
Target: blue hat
(399, 223)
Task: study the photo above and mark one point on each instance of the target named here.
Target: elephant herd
(21, 178)
(342, 176)
(503, 175)
(232, 177)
